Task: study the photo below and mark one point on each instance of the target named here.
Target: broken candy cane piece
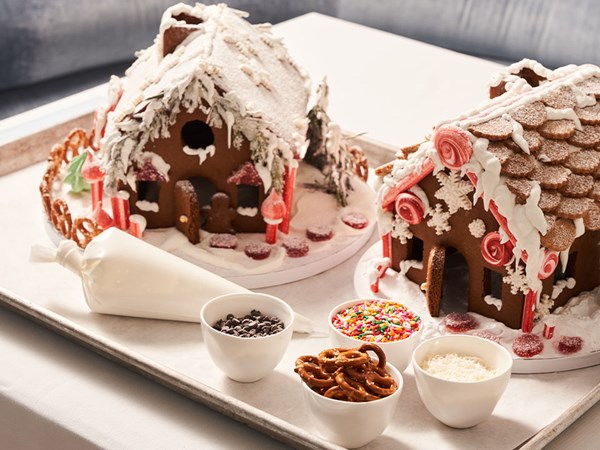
(453, 147)
(549, 266)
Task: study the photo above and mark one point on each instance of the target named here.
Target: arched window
(197, 134)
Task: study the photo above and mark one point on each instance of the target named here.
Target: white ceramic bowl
(398, 353)
(462, 404)
(245, 359)
(352, 424)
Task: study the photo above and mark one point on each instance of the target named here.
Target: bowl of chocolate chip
(246, 334)
(351, 397)
(461, 378)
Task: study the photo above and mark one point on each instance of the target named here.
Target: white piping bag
(125, 276)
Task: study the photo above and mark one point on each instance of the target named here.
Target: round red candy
(295, 247)
(456, 322)
(569, 344)
(223, 240)
(319, 233)
(355, 220)
(487, 334)
(528, 345)
(258, 250)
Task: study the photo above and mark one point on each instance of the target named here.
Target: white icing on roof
(226, 66)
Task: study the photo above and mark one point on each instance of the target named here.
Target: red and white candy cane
(495, 252)
(137, 225)
(381, 269)
(92, 173)
(120, 210)
(548, 331)
(528, 311)
(273, 211)
(549, 266)
(410, 208)
(453, 146)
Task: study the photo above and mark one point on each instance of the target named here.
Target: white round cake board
(398, 288)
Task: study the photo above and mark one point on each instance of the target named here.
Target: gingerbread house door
(450, 291)
(187, 210)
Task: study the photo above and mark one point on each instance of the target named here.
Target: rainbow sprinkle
(377, 321)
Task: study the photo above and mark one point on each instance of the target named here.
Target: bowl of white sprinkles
(461, 378)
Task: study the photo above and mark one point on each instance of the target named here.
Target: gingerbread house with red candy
(513, 187)
(206, 129)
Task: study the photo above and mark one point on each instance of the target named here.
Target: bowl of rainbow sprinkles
(391, 325)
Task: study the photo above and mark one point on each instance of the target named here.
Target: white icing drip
(560, 286)
(145, 205)
(408, 264)
(564, 259)
(248, 212)
(477, 228)
(421, 195)
(493, 301)
(201, 153)
(567, 113)
(229, 119)
(579, 227)
(517, 133)
(583, 100)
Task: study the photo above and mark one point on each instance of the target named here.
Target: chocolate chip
(251, 325)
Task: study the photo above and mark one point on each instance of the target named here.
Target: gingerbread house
(206, 123)
(502, 204)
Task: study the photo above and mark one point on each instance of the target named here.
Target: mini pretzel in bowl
(351, 397)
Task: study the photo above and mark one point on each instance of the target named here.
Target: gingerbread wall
(463, 241)
(215, 168)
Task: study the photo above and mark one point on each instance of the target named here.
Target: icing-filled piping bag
(123, 275)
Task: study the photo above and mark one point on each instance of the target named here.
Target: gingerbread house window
(560, 274)
(148, 191)
(247, 196)
(415, 249)
(455, 286)
(197, 134)
(493, 283)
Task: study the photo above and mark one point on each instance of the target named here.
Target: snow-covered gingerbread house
(207, 123)
(509, 191)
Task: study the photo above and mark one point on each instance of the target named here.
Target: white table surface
(55, 394)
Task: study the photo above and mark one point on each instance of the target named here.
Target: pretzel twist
(360, 165)
(347, 374)
(81, 230)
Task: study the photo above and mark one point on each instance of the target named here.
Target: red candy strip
(120, 210)
(528, 312)
(453, 146)
(407, 182)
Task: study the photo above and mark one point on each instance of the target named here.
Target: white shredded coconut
(454, 367)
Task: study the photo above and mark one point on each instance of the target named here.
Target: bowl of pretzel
(351, 397)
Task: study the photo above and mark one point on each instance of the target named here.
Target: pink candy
(495, 252)
(410, 208)
(453, 147)
(549, 266)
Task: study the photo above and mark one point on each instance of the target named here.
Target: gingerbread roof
(533, 154)
(239, 74)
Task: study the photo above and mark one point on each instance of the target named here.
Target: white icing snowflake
(516, 279)
(454, 191)
(477, 228)
(439, 219)
(401, 230)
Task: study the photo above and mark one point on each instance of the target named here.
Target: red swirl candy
(495, 252)
(549, 266)
(410, 208)
(453, 147)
